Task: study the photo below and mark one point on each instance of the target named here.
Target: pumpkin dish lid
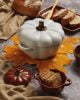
(41, 33)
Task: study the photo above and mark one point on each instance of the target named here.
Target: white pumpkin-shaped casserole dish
(40, 38)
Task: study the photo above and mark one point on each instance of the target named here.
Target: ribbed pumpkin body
(40, 44)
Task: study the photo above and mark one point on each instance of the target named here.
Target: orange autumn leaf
(42, 66)
(61, 68)
(65, 49)
(17, 57)
(61, 60)
(67, 45)
(15, 39)
(70, 40)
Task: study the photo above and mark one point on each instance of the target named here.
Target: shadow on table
(61, 95)
(71, 33)
(75, 68)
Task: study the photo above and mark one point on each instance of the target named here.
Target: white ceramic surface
(40, 44)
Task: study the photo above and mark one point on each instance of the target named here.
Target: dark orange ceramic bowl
(77, 53)
(54, 90)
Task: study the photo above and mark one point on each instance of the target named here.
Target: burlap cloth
(9, 20)
(10, 92)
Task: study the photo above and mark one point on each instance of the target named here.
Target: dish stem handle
(68, 82)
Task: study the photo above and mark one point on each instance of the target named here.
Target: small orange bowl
(77, 53)
(54, 90)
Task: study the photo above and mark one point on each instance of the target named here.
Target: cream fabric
(9, 20)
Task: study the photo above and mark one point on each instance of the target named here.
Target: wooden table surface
(73, 91)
